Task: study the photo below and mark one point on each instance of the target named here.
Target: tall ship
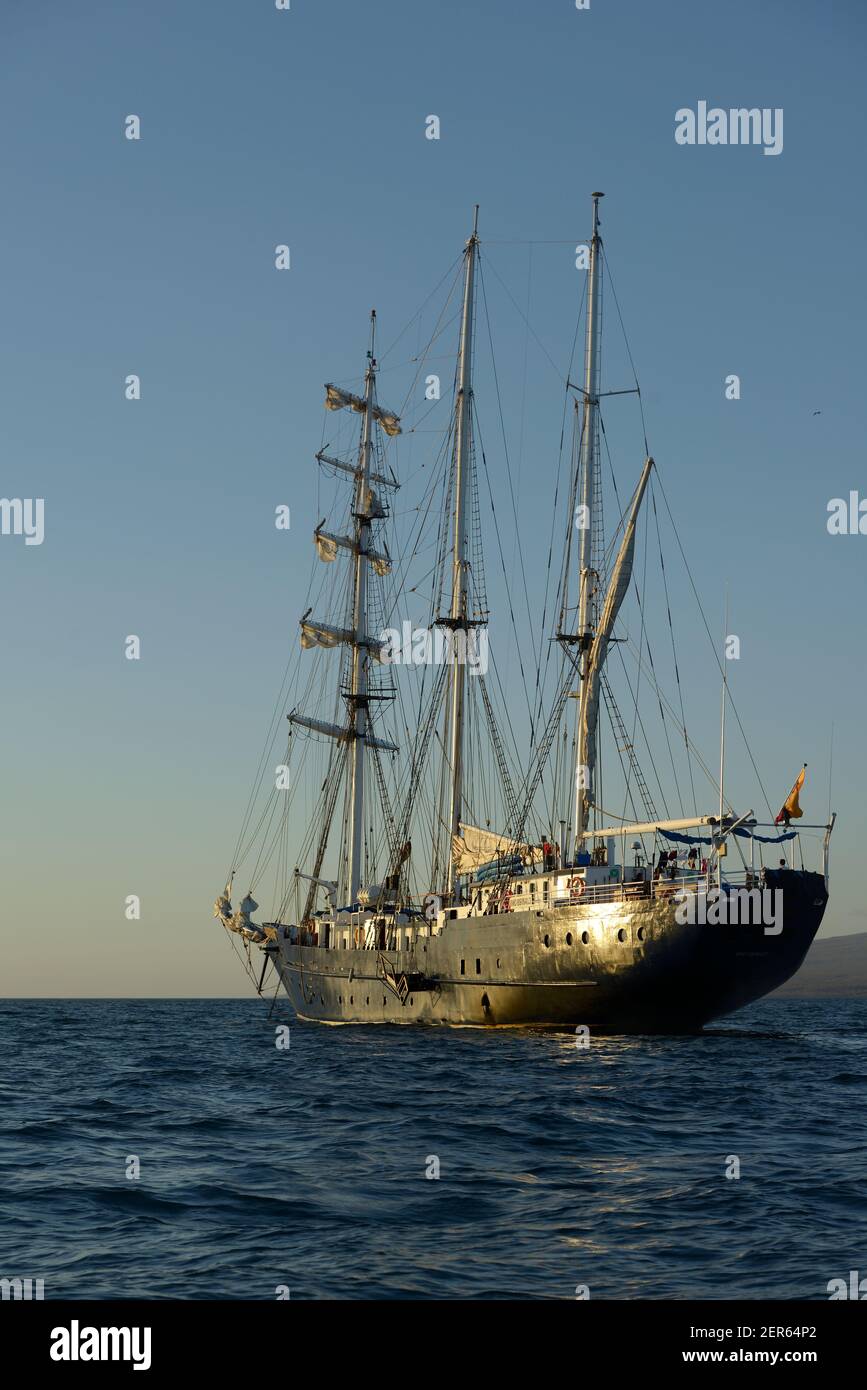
(468, 828)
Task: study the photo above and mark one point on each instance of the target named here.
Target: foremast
(363, 647)
(357, 696)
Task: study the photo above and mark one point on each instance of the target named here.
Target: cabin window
(463, 967)
(478, 966)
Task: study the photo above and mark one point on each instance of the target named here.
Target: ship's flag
(791, 809)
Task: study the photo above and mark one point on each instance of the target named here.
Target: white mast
(458, 619)
(587, 473)
(360, 654)
(366, 509)
(722, 745)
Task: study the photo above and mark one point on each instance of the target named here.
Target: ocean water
(304, 1168)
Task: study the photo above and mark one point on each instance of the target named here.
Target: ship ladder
(397, 985)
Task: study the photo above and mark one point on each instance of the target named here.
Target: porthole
(621, 935)
(547, 940)
(498, 963)
(352, 999)
(585, 937)
(368, 998)
(383, 1001)
(640, 933)
(568, 938)
(410, 999)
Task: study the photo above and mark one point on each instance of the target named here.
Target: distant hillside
(835, 966)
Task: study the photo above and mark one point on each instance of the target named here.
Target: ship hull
(614, 967)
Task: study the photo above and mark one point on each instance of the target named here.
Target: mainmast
(588, 466)
(458, 621)
(357, 695)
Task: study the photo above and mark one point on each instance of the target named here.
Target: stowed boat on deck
(570, 948)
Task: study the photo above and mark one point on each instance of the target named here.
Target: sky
(306, 127)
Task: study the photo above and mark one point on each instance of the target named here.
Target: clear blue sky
(156, 257)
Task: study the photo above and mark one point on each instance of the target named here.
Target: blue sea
(170, 1149)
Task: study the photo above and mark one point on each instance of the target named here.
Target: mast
(589, 427)
(458, 619)
(357, 696)
(355, 733)
(722, 742)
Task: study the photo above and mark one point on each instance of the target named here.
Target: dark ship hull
(626, 966)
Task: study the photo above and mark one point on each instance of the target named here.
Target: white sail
(388, 420)
(340, 732)
(327, 546)
(324, 635)
(617, 589)
(338, 399)
(475, 847)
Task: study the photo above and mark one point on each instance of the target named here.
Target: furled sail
(321, 635)
(324, 635)
(337, 399)
(475, 847)
(617, 590)
(327, 546)
(388, 420)
(340, 732)
(373, 508)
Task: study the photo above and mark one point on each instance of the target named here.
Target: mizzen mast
(588, 577)
(458, 620)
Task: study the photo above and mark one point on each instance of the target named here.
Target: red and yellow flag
(791, 807)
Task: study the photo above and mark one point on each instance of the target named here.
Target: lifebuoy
(576, 886)
(505, 905)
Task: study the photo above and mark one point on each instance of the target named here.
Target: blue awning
(744, 834)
